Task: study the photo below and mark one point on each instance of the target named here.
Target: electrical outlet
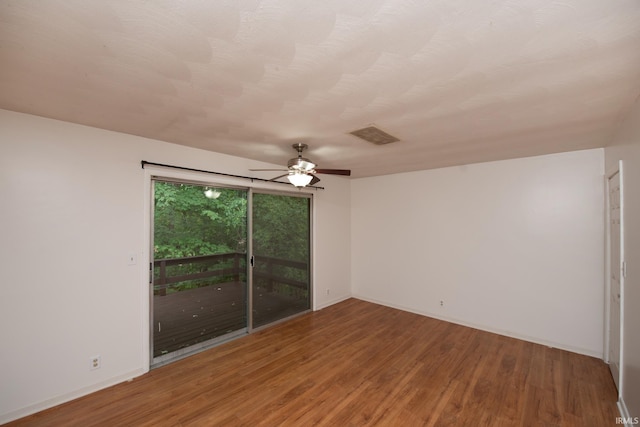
(94, 362)
(328, 291)
(441, 303)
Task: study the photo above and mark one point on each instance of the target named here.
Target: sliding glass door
(281, 285)
(199, 275)
(200, 270)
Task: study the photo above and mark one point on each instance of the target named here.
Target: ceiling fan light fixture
(302, 172)
(299, 179)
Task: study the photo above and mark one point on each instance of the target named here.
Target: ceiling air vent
(374, 135)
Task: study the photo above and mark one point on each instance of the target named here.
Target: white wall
(626, 147)
(72, 209)
(514, 247)
(332, 245)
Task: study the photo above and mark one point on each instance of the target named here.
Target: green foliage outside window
(188, 224)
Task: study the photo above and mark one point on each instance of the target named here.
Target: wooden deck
(186, 317)
(189, 317)
(358, 364)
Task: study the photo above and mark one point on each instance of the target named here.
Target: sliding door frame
(308, 196)
(159, 173)
(157, 361)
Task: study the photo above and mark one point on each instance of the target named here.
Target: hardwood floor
(355, 364)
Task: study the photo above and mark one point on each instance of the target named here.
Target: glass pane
(281, 242)
(199, 286)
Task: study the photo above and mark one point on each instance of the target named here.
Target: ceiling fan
(301, 172)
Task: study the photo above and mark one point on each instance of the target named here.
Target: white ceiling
(457, 81)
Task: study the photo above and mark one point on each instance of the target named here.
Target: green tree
(281, 226)
(187, 223)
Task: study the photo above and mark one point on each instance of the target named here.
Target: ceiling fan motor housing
(301, 171)
(301, 164)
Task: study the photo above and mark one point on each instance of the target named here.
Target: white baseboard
(58, 400)
(331, 302)
(561, 346)
(622, 407)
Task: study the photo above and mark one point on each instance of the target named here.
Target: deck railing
(268, 271)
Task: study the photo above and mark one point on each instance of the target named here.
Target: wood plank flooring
(358, 364)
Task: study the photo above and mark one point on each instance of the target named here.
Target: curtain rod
(143, 163)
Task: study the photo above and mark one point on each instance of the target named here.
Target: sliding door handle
(252, 261)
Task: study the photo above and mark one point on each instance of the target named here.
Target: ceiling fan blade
(278, 177)
(345, 172)
(314, 180)
(271, 170)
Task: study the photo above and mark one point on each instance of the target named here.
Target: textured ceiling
(457, 81)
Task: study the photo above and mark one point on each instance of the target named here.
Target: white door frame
(608, 267)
